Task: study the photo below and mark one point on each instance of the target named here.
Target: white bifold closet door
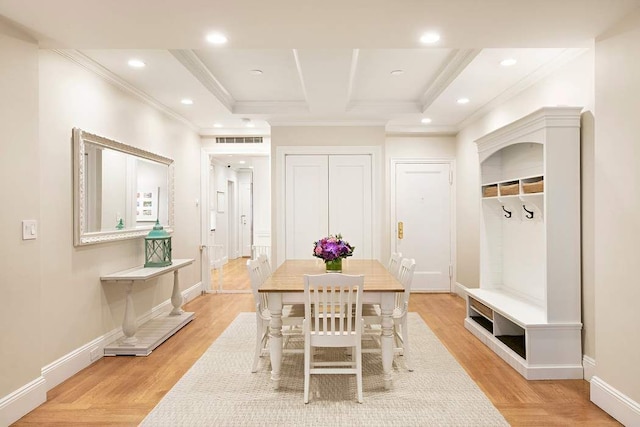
(328, 194)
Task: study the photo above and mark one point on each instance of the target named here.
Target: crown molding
(396, 107)
(320, 123)
(195, 66)
(270, 107)
(415, 130)
(455, 63)
(565, 57)
(97, 69)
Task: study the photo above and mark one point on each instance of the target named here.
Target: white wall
(56, 302)
(617, 207)
(572, 84)
(20, 279)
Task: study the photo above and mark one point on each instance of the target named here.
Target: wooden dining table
(286, 286)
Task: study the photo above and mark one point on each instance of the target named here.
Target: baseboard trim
(460, 289)
(589, 365)
(15, 405)
(24, 400)
(616, 404)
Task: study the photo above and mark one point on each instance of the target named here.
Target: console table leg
(176, 296)
(129, 327)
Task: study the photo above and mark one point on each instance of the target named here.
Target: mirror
(119, 191)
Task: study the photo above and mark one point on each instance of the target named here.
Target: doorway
(238, 213)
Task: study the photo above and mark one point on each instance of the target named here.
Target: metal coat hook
(529, 214)
(507, 214)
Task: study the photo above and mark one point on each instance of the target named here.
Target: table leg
(386, 341)
(129, 327)
(176, 296)
(275, 336)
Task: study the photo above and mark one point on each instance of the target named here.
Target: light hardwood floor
(122, 390)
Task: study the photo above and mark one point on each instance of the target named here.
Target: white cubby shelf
(527, 307)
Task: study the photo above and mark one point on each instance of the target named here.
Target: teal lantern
(157, 247)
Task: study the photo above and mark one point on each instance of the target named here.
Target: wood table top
(289, 276)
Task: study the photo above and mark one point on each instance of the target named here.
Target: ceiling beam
(455, 63)
(195, 66)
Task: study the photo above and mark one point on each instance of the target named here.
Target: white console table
(142, 341)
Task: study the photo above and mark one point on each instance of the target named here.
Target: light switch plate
(29, 229)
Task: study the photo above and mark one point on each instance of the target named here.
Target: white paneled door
(422, 218)
(350, 201)
(306, 195)
(328, 194)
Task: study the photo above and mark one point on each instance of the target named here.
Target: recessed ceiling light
(508, 62)
(397, 72)
(136, 63)
(429, 38)
(242, 162)
(463, 100)
(425, 120)
(187, 101)
(216, 38)
(255, 72)
(217, 125)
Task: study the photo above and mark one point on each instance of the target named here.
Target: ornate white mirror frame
(83, 234)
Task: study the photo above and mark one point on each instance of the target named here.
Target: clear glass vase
(334, 266)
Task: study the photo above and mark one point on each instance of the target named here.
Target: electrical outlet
(95, 353)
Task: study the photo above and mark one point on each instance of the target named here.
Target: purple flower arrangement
(332, 247)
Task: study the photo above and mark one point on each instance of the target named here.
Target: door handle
(400, 230)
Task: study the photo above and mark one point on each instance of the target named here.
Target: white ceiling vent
(239, 140)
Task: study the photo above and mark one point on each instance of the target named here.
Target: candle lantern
(157, 247)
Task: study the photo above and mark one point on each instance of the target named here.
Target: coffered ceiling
(308, 62)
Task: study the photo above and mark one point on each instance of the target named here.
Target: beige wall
(20, 317)
(572, 84)
(617, 207)
(55, 302)
(76, 305)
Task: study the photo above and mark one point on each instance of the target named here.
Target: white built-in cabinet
(328, 194)
(527, 308)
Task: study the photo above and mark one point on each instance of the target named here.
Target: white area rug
(220, 390)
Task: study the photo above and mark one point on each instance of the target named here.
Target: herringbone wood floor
(122, 390)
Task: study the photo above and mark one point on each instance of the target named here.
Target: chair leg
(260, 338)
(405, 344)
(307, 369)
(358, 356)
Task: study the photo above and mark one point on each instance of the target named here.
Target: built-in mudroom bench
(527, 308)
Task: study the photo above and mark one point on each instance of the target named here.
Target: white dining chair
(393, 267)
(292, 316)
(335, 321)
(257, 250)
(265, 265)
(372, 317)
(394, 263)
